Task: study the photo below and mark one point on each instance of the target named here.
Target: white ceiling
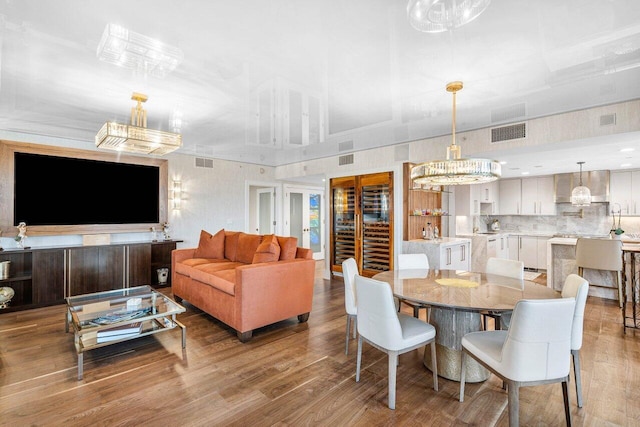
(380, 81)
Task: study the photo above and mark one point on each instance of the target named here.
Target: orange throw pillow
(268, 251)
(231, 244)
(288, 246)
(210, 246)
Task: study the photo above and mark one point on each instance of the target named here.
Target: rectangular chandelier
(136, 138)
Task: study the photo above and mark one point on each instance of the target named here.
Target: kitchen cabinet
(362, 222)
(625, 192)
(455, 256)
(502, 246)
(467, 199)
(489, 192)
(532, 250)
(510, 196)
(537, 196)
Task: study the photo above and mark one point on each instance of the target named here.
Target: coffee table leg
(184, 332)
(80, 363)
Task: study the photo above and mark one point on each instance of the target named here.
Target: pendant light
(581, 195)
(455, 170)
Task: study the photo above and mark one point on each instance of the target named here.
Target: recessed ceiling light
(525, 173)
(503, 162)
(625, 165)
(626, 150)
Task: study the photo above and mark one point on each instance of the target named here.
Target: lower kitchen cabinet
(532, 250)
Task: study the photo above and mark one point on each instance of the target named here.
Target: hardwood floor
(288, 374)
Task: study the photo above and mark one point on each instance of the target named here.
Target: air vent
(511, 112)
(508, 133)
(608, 119)
(347, 159)
(345, 146)
(204, 163)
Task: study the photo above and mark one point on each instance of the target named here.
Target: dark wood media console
(45, 276)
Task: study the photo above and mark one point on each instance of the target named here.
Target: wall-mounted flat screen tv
(52, 190)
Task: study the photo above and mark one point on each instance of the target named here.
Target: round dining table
(456, 299)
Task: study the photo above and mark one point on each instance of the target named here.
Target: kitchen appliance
(597, 181)
(495, 225)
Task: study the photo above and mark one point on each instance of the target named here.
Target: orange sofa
(245, 280)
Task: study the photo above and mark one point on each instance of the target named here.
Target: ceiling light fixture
(581, 195)
(436, 16)
(128, 49)
(136, 138)
(455, 170)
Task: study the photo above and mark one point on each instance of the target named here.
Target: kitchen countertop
(445, 241)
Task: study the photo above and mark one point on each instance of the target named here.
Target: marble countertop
(442, 241)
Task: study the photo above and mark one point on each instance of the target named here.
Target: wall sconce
(176, 194)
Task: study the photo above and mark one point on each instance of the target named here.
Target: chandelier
(455, 170)
(436, 16)
(581, 195)
(136, 138)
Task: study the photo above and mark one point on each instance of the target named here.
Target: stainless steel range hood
(597, 181)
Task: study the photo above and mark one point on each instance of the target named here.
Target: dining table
(457, 299)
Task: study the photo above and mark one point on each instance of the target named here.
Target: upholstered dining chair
(414, 261)
(600, 254)
(533, 351)
(380, 324)
(576, 287)
(508, 268)
(349, 273)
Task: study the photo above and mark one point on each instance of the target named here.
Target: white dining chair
(533, 351)
(507, 268)
(414, 262)
(349, 272)
(576, 287)
(380, 324)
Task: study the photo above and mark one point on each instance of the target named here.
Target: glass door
(306, 219)
(376, 230)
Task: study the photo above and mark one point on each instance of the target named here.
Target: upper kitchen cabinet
(510, 196)
(538, 196)
(625, 192)
(468, 200)
(287, 115)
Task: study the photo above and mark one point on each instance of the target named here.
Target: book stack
(119, 332)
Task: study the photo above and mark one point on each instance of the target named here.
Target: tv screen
(51, 190)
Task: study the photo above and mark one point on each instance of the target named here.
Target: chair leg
(346, 344)
(393, 366)
(434, 365)
(576, 370)
(428, 314)
(358, 359)
(416, 311)
(463, 371)
(513, 393)
(565, 395)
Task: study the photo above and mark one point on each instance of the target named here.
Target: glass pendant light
(581, 195)
(455, 170)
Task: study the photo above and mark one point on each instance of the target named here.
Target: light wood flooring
(289, 374)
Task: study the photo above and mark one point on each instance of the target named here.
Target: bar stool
(603, 255)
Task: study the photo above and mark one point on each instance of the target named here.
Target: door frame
(286, 219)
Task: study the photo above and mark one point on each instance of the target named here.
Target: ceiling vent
(508, 133)
(608, 119)
(204, 163)
(345, 146)
(347, 159)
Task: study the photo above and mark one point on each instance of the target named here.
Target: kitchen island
(445, 253)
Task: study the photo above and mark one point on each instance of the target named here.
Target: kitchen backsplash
(597, 220)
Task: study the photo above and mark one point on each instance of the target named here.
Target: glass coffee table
(105, 318)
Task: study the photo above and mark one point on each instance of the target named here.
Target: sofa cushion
(288, 247)
(231, 244)
(247, 246)
(211, 246)
(224, 280)
(268, 251)
(188, 265)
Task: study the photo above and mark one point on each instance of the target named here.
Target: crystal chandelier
(455, 170)
(436, 16)
(136, 138)
(581, 195)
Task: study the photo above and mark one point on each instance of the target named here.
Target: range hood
(597, 181)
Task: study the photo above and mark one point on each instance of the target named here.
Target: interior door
(306, 219)
(265, 210)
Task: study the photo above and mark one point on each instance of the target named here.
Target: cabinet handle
(520, 242)
(448, 256)
(463, 253)
(486, 194)
(518, 208)
(501, 244)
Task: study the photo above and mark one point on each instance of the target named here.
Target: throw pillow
(268, 251)
(288, 246)
(247, 245)
(210, 246)
(231, 244)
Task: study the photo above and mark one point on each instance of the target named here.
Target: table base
(449, 365)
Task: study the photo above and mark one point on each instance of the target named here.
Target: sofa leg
(244, 336)
(303, 317)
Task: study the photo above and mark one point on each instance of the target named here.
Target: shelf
(434, 216)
